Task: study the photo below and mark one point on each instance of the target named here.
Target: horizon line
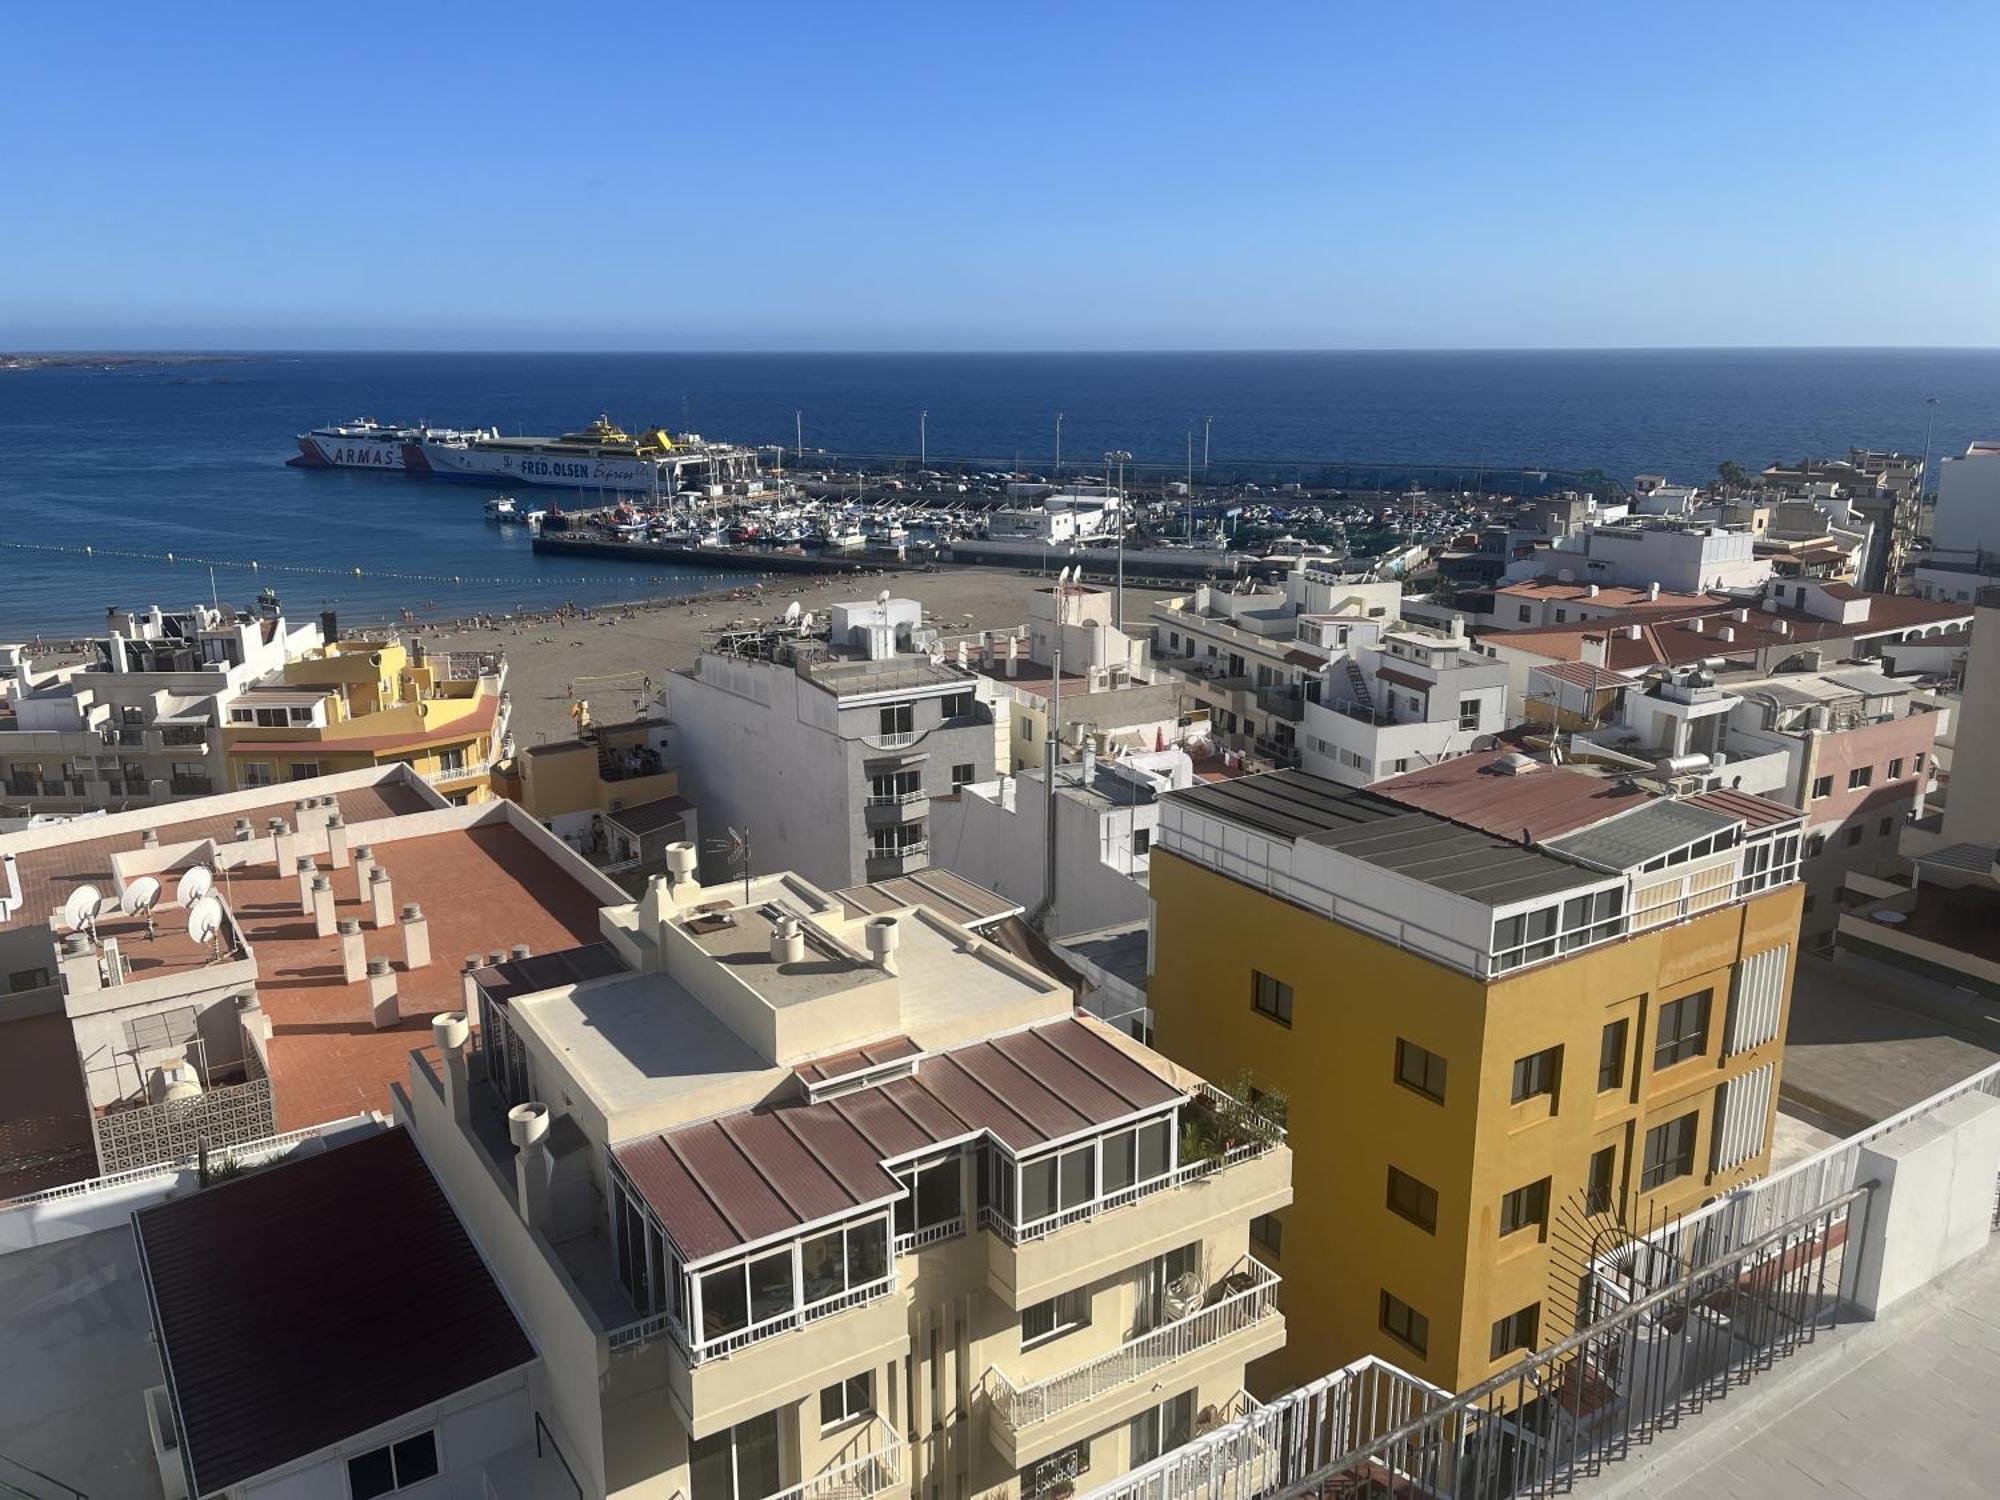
(130, 351)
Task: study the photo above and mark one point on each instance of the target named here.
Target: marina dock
(746, 559)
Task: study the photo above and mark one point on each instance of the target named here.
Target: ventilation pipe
(382, 1011)
(883, 935)
(681, 863)
(528, 1129)
(788, 941)
(10, 887)
(450, 1032)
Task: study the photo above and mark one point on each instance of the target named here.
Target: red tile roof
(1756, 812)
(855, 1060)
(1583, 674)
(308, 1302)
(741, 1178)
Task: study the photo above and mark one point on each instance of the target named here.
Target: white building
(1398, 699)
(1681, 557)
(1968, 501)
(996, 834)
(828, 751)
(141, 722)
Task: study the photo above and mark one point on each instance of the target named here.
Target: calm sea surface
(189, 460)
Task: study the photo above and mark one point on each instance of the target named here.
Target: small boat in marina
(503, 510)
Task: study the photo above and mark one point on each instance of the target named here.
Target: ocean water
(139, 463)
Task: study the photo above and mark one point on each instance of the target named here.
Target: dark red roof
(1756, 812)
(311, 1301)
(1544, 803)
(745, 1177)
(856, 1059)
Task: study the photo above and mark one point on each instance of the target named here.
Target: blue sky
(1008, 175)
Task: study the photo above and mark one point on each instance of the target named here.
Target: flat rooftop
(1478, 790)
(740, 938)
(482, 888)
(936, 889)
(50, 873)
(1307, 809)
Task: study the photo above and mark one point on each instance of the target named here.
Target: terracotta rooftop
(1756, 812)
(308, 1302)
(1544, 803)
(1608, 595)
(482, 889)
(741, 1178)
(49, 874)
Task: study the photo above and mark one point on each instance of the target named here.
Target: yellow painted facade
(1354, 997)
(376, 706)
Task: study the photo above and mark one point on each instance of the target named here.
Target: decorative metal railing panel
(234, 1114)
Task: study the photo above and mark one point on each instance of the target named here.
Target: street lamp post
(923, 440)
(1120, 457)
(1059, 417)
(799, 433)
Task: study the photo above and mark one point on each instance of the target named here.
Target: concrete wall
(1098, 879)
(1933, 1201)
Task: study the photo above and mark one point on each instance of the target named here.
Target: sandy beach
(617, 656)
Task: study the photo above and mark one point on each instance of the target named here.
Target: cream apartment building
(795, 1200)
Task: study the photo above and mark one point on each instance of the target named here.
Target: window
(1536, 1074)
(22, 980)
(963, 775)
(1162, 1428)
(1468, 713)
(1815, 845)
(1611, 1056)
(898, 719)
(1142, 842)
(1402, 1321)
(1027, 730)
(1271, 997)
(1525, 1207)
(1518, 1330)
(1918, 763)
(1852, 835)
(750, 1293)
(896, 841)
(1602, 1182)
(1268, 1233)
(302, 770)
(1063, 1467)
(1055, 1317)
(258, 773)
(739, 1463)
(958, 705)
(1413, 1200)
(1886, 827)
(1669, 1152)
(1136, 1156)
(933, 1203)
(1895, 770)
(1525, 614)
(1420, 1070)
(847, 1400)
(1822, 786)
(896, 786)
(395, 1466)
(1859, 777)
(1683, 1030)
(1059, 1182)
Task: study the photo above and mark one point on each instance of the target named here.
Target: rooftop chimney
(449, 1031)
(1697, 624)
(883, 935)
(1652, 591)
(382, 1009)
(788, 941)
(528, 1129)
(681, 862)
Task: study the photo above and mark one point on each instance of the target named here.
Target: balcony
(887, 811)
(1247, 1296)
(900, 860)
(1238, 1321)
(184, 736)
(874, 1470)
(192, 786)
(1285, 702)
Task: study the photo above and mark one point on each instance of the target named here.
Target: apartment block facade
(802, 1203)
(1543, 1015)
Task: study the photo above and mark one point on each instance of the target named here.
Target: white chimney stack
(382, 1009)
(528, 1129)
(450, 1031)
(416, 937)
(883, 935)
(788, 941)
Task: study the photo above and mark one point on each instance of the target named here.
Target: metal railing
(900, 851)
(698, 1351)
(1272, 1136)
(858, 1478)
(1757, 1208)
(1547, 1420)
(931, 1234)
(896, 799)
(1137, 1358)
(243, 1151)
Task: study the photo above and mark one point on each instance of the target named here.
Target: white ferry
(365, 443)
(600, 457)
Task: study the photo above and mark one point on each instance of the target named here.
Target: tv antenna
(204, 925)
(80, 911)
(140, 897)
(735, 851)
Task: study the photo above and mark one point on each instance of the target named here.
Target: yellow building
(1512, 1030)
(360, 703)
(610, 793)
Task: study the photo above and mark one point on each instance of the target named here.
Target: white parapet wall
(1933, 1201)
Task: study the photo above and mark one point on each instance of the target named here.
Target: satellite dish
(792, 612)
(195, 884)
(140, 896)
(80, 911)
(205, 919)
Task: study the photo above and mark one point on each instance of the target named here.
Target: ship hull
(324, 451)
(555, 470)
